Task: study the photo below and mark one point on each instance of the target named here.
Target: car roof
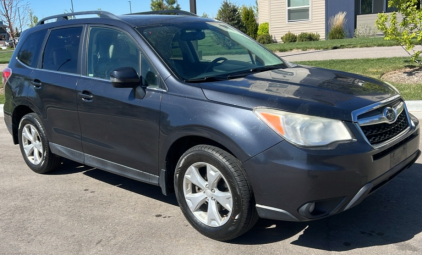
(141, 20)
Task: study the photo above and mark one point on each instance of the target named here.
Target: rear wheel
(34, 145)
(214, 194)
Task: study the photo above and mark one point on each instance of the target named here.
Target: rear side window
(31, 47)
(62, 49)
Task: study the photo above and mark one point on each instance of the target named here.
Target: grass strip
(375, 68)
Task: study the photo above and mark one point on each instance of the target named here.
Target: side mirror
(124, 77)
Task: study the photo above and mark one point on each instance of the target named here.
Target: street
(80, 210)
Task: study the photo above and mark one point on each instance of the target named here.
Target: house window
(374, 6)
(298, 10)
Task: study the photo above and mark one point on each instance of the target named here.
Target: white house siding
(276, 15)
(263, 11)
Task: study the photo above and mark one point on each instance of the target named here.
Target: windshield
(203, 50)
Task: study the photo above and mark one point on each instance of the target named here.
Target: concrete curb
(414, 106)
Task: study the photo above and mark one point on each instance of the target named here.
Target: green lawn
(374, 68)
(332, 44)
(5, 56)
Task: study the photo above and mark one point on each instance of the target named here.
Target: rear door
(119, 131)
(53, 86)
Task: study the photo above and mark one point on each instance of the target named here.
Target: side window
(148, 74)
(109, 49)
(31, 47)
(62, 49)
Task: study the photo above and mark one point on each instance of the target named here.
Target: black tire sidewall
(235, 223)
(34, 121)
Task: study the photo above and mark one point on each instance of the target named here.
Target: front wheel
(214, 194)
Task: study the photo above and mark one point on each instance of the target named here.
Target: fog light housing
(321, 208)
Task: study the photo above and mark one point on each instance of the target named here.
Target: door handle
(86, 96)
(37, 83)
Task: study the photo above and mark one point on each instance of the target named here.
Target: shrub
(264, 28)
(408, 32)
(264, 39)
(337, 33)
(305, 37)
(337, 26)
(289, 37)
(365, 31)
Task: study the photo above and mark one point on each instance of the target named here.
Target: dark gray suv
(200, 109)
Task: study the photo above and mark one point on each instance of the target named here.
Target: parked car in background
(9, 42)
(198, 108)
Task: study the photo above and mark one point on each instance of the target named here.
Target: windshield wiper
(237, 74)
(207, 79)
(254, 70)
(266, 68)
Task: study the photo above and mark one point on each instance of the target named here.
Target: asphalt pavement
(81, 210)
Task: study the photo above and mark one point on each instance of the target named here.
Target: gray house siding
(332, 7)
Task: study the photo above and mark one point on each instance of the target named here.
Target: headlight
(302, 129)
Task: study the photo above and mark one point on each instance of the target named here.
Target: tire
(214, 194)
(32, 137)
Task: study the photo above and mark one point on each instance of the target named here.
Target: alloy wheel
(208, 194)
(32, 144)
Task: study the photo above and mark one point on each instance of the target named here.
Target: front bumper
(297, 184)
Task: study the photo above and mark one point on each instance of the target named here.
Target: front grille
(383, 132)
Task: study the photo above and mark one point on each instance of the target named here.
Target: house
(3, 33)
(299, 16)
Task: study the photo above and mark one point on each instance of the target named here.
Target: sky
(45, 8)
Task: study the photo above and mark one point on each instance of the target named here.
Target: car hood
(301, 89)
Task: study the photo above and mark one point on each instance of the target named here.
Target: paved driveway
(80, 210)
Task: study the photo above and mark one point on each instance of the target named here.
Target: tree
(158, 5)
(229, 13)
(255, 8)
(409, 31)
(204, 15)
(249, 21)
(9, 14)
(33, 20)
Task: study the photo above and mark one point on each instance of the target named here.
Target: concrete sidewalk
(350, 53)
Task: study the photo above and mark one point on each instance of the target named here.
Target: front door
(119, 131)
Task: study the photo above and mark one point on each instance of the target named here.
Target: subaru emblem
(390, 114)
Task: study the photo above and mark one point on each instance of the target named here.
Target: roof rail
(169, 12)
(65, 16)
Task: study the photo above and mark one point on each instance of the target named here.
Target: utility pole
(20, 21)
(130, 6)
(193, 6)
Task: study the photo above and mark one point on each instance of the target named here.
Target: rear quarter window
(31, 47)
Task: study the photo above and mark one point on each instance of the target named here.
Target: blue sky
(45, 8)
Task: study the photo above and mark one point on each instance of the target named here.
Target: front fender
(237, 129)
